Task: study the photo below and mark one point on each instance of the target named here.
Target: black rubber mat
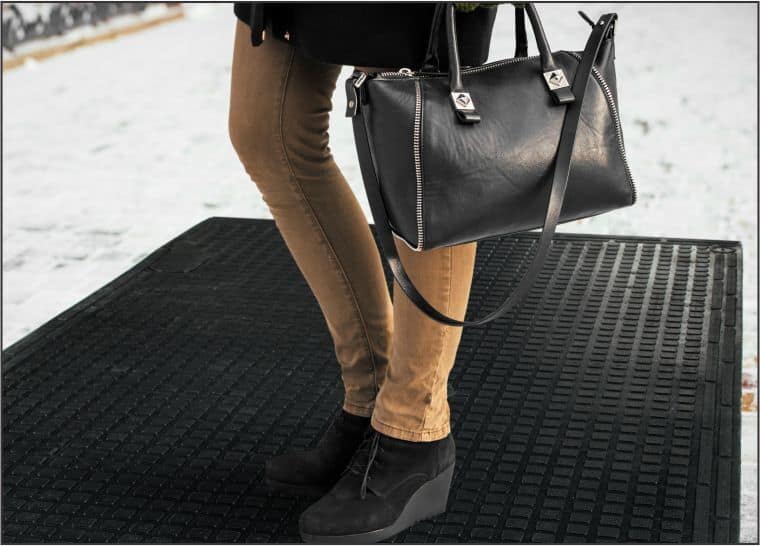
(604, 409)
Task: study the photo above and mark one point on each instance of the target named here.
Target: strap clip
(360, 79)
(559, 86)
(352, 92)
(464, 107)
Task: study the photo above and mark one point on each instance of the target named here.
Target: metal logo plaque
(556, 79)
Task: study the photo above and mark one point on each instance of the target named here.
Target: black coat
(391, 35)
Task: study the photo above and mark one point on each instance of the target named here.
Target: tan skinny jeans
(395, 361)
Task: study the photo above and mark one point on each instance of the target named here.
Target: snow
(42, 9)
(112, 149)
(31, 11)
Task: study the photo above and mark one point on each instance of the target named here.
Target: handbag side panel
(390, 118)
(492, 177)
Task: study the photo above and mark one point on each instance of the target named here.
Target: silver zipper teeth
(417, 130)
(599, 78)
(417, 150)
(481, 68)
(616, 118)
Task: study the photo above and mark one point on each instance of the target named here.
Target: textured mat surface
(604, 409)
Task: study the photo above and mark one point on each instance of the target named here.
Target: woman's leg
(279, 115)
(278, 122)
(412, 403)
(406, 471)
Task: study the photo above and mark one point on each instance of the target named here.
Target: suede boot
(315, 471)
(389, 485)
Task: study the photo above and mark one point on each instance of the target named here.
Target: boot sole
(296, 490)
(427, 502)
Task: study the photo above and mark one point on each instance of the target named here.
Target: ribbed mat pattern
(604, 409)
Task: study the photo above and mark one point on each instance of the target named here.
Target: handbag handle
(431, 53)
(559, 177)
(432, 63)
(521, 35)
(556, 81)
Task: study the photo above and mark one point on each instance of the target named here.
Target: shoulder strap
(560, 176)
(431, 61)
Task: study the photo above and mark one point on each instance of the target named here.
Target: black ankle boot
(389, 485)
(315, 471)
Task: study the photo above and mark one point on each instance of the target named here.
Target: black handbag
(472, 153)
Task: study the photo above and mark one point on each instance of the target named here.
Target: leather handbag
(469, 153)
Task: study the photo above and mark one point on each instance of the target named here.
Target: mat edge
(12, 354)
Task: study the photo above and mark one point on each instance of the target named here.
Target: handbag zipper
(417, 152)
(616, 118)
(400, 72)
(407, 72)
(416, 147)
(606, 91)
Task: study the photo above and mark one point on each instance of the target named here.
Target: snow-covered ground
(112, 149)
(30, 11)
